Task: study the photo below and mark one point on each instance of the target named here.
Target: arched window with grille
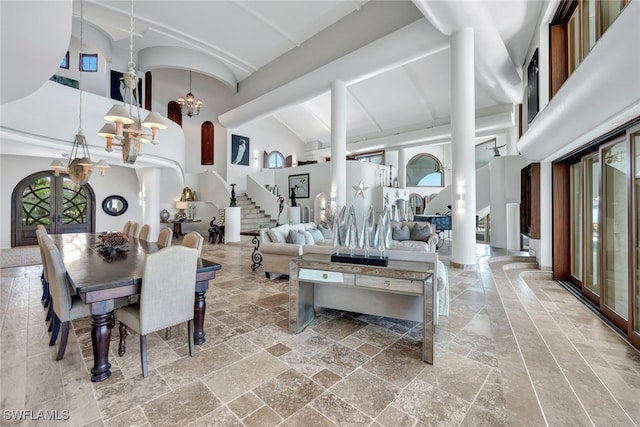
(275, 160)
(425, 170)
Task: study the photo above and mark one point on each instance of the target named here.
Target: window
(376, 157)
(275, 160)
(424, 170)
(89, 62)
(574, 30)
(65, 61)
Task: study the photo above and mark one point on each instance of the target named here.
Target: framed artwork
(300, 184)
(239, 150)
(117, 87)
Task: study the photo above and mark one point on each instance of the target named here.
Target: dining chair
(66, 307)
(126, 227)
(167, 298)
(144, 232)
(42, 231)
(193, 240)
(133, 230)
(164, 237)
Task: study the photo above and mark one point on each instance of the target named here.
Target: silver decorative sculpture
(339, 229)
(351, 231)
(367, 235)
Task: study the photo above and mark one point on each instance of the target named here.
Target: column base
(465, 267)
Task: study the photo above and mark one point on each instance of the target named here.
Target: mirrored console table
(402, 290)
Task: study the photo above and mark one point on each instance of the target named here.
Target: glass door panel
(576, 221)
(636, 188)
(616, 229)
(591, 213)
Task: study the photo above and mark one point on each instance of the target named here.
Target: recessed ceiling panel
(431, 75)
(304, 124)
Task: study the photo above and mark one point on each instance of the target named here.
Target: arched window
(424, 170)
(275, 160)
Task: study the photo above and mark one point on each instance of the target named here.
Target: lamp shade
(108, 129)
(154, 120)
(182, 205)
(56, 164)
(118, 113)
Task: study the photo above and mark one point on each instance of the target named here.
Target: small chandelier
(190, 106)
(80, 165)
(124, 124)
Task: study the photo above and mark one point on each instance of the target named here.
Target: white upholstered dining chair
(167, 297)
(126, 227)
(193, 240)
(164, 237)
(144, 232)
(66, 306)
(133, 230)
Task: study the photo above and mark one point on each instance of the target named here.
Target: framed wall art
(240, 150)
(300, 185)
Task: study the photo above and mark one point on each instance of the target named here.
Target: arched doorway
(53, 201)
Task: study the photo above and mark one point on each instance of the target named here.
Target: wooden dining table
(101, 279)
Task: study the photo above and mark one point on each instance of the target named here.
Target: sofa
(277, 247)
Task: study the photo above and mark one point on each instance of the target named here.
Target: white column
(151, 200)
(511, 136)
(339, 142)
(463, 125)
(402, 168)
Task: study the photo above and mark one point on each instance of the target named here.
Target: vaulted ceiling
(263, 47)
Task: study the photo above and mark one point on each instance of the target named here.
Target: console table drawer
(389, 284)
(321, 276)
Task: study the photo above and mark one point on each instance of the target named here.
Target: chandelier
(190, 106)
(124, 124)
(80, 165)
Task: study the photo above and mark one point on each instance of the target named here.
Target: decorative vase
(164, 215)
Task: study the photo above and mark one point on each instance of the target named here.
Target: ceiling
(262, 46)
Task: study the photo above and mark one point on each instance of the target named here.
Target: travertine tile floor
(516, 349)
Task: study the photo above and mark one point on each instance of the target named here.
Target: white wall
(119, 181)
(264, 135)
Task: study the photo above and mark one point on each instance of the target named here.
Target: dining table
(100, 278)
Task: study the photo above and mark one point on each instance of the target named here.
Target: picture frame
(301, 184)
(240, 150)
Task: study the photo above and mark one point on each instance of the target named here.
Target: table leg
(100, 338)
(198, 318)
(256, 257)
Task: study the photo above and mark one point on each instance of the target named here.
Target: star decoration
(397, 194)
(360, 189)
(386, 199)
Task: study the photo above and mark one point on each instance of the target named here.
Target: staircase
(252, 217)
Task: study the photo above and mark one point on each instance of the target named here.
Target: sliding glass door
(591, 283)
(615, 268)
(575, 182)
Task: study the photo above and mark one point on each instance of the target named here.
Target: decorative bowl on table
(112, 243)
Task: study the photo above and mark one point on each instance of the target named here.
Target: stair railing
(262, 197)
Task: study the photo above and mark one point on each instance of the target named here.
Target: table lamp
(181, 206)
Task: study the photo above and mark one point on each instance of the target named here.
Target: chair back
(164, 237)
(59, 285)
(41, 234)
(193, 240)
(144, 232)
(168, 289)
(126, 227)
(133, 230)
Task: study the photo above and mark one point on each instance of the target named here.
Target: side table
(177, 226)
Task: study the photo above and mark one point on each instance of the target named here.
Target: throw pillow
(400, 234)
(316, 234)
(295, 237)
(308, 238)
(326, 232)
(420, 233)
(275, 237)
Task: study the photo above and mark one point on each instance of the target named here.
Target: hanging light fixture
(190, 106)
(80, 165)
(124, 124)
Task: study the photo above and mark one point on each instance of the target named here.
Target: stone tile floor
(516, 349)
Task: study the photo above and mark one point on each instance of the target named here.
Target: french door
(53, 201)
